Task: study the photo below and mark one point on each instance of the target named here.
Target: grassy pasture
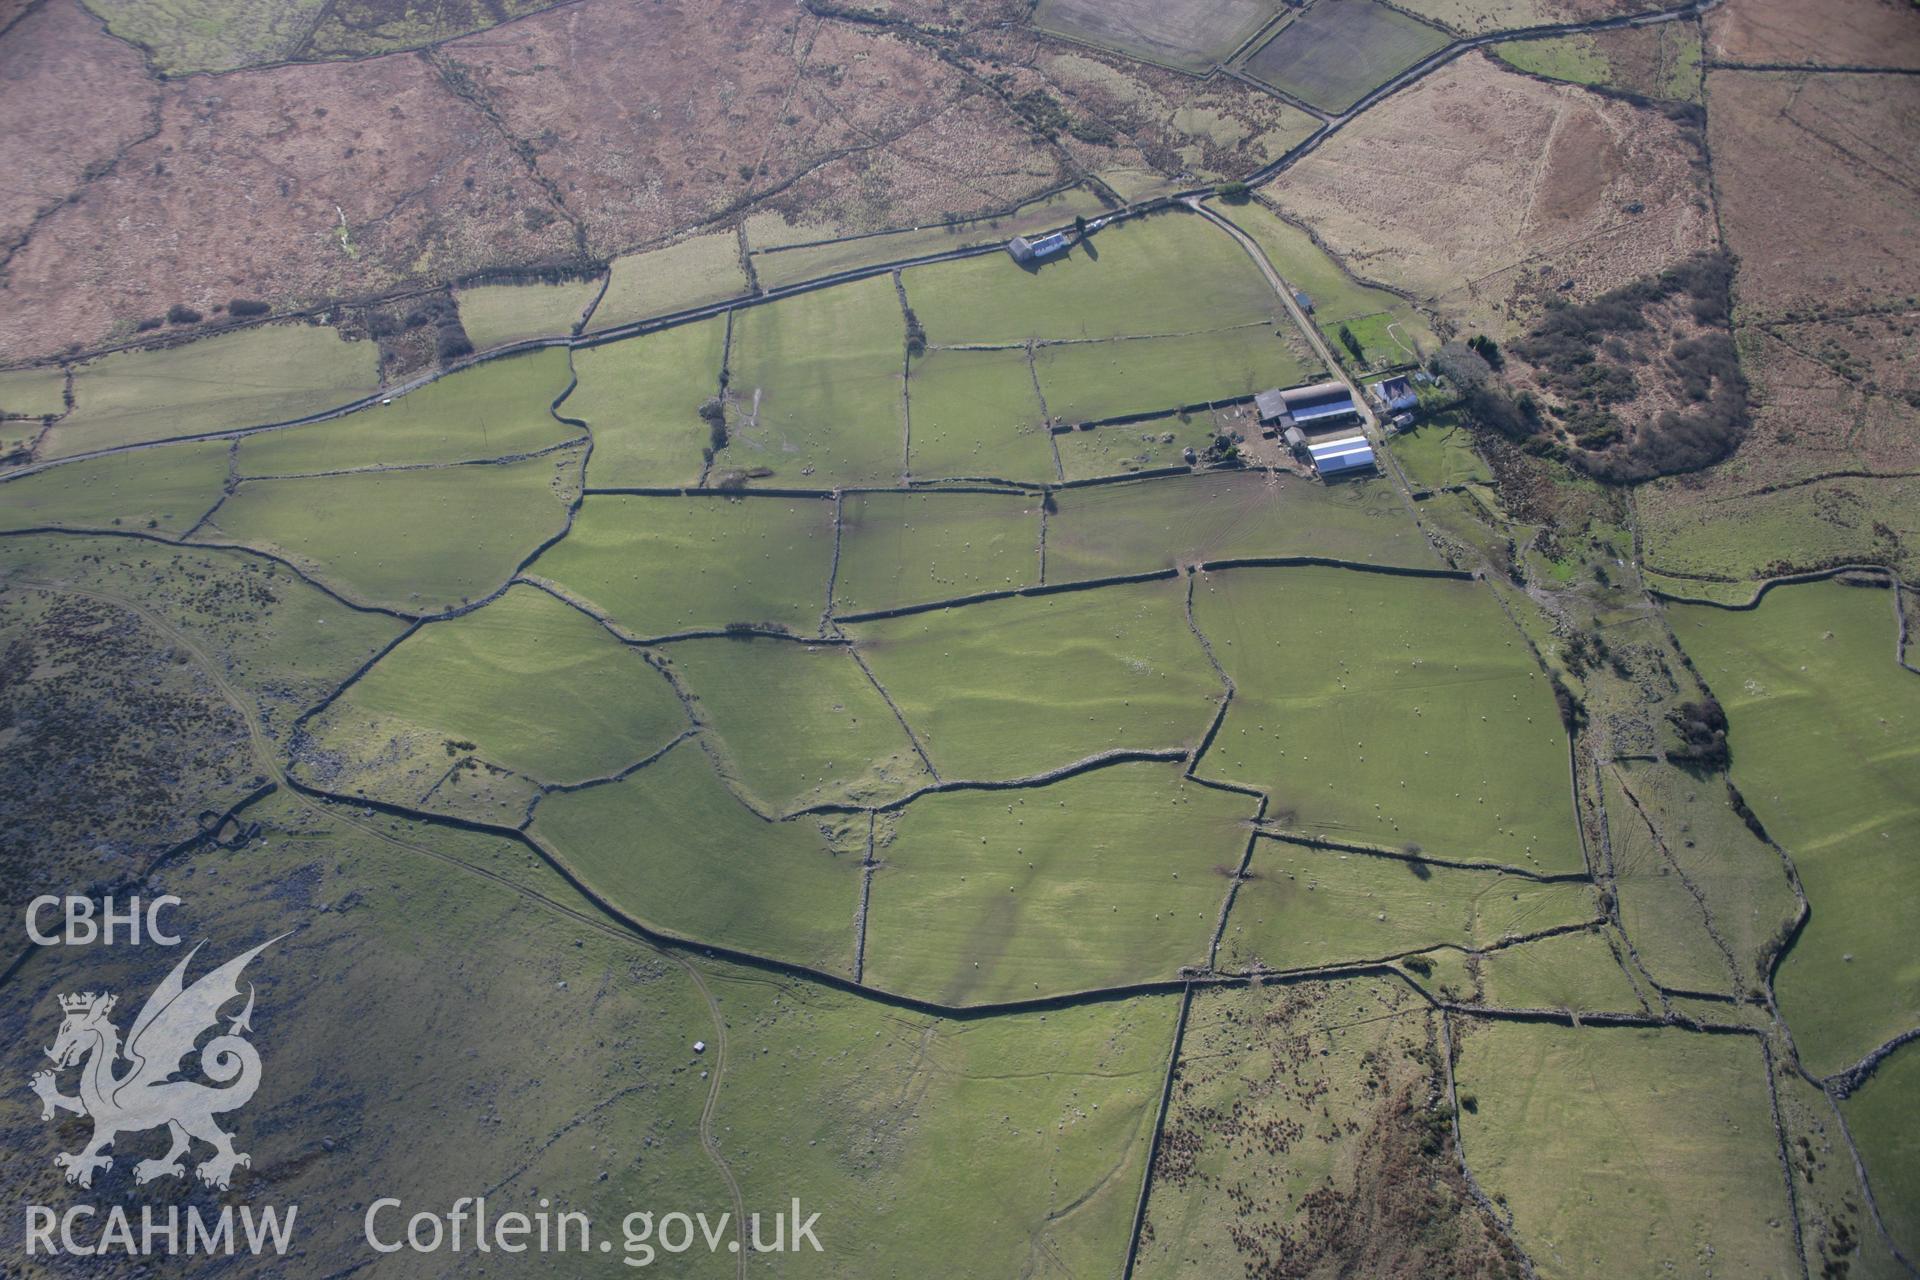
(1163, 523)
(496, 314)
(1745, 535)
(1016, 1145)
(1627, 1151)
(657, 566)
(1880, 1117)
(32, 393)
(661, 281)
(361, 748)
(1659, 61)
(1169, 273)
(1390, 710)
(1188, 36)
(1304, 908)
(1091, 381)
(1576, 971)
(539, 686)
(1388, 339)
(1837, 1229)
(975, 415)
(492, 410)
(1338, 50)
(185, 36)
(1010, 688)
(164, 489)
(414, 540)
(1739, 876)
(1109, 877)
(270, 373)
(670, 845)
(797, 724)
(641, 398)
(775, 265)
(1439, 454)
(909, 548)
(1656, 909)
(1120, 448)
(1571, 58)
(1336, 296)
(817, 390)
(1823, 732)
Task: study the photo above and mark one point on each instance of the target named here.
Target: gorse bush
(1596, 356)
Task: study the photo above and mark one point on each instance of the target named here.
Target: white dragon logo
(145, 1096)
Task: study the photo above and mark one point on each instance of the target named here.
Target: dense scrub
(1642, 381)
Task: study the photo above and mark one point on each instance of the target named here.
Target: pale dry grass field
(1484, 192)
(1842, 33)
(1815, 179)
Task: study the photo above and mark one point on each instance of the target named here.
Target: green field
(270, 373)
(494, 410)
(911, 548)
(817, 387)
(418, 541)
(1012, 688)
(1439, 454)
(1093, 381)
(1823, 732)
(1754, 535)
(1109, 877)
(1306, 908)
(1388, 339)
(1015, 1145)
(797, 724)
(641, 399)
(1659, 61)
(1389, 711)
(1123, 448)
(541, 689)
(1164, 523)
(1572, 58)
(1880, 1117)
(1665, 825)
(1576, 971)
(976, 415)
(788, 262)
(1170, 273)
(165, 490)
(1337, 51)
(1186, 36)
(1631, 1152)
(33, 393)
(496, 314)
(1336, 296)
(662, 281)
(185, 36)
(671, 846)
(660, 566)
